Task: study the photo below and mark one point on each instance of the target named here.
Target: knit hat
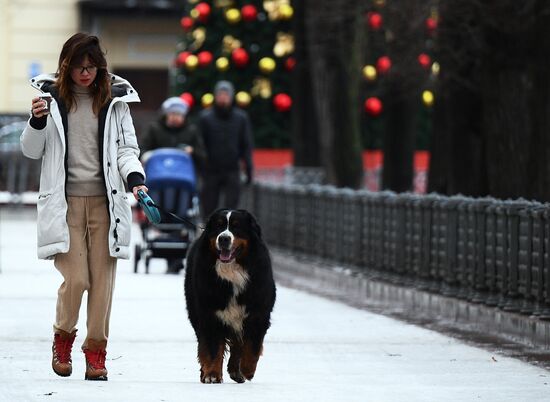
(225, 86)
(174, 105)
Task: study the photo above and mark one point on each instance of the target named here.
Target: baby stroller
(172, 185)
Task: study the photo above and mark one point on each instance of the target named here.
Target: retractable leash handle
(149, 207)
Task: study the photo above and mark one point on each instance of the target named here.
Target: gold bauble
(379, 3)
(222, 64)
(278, 9)
(199, 36)
(223, 3)
(207, 100)
(286, 12)
(194, 13)
(428, 98)
(233, 15)
(192, 1)
(369, 72)
(267, 65)
(284, 45)
(435, 68)
(243, 98)
(261, 87)
(191, 62)
(229, 43)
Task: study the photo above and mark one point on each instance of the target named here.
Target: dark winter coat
(228, 139)
(159, 135)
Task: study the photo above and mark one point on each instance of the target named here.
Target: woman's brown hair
(75, 49)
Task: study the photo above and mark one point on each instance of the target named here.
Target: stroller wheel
(137, 257)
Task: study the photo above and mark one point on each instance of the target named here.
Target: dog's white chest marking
(234, 273)
(234, 314)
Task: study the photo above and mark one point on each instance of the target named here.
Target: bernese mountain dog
(230, 293)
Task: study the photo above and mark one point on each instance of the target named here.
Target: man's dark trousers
(225, 184)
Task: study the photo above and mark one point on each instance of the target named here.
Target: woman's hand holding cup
(41, 105)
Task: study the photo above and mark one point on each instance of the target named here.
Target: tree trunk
(332, 34)
(404, 33)
(305, 141)
(458, 150)
(400, 112)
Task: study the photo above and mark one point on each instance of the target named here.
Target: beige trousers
(86, 267)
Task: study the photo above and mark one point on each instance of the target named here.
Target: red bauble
(383, 64)
(282, 102)
(290, 63)
(373, 106)
(187, 23)
(424, 60)
(204, 11)
(431, 24)
(249, 13)
(188, 98)
(205, 58)
(240, 57)
(374, 20)
(180, 60)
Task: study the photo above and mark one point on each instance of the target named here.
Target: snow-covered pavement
(316, 350)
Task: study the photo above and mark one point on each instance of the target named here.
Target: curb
(438, 312)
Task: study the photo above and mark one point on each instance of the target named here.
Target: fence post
(449, 266)
(491, 254)
(512, 302)
(544, 311)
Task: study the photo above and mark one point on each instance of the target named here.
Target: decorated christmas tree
(249, 43)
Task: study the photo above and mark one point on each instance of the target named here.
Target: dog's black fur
(230, 293)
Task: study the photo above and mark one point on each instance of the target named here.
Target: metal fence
(483, 250)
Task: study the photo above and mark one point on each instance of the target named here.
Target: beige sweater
(84, 176)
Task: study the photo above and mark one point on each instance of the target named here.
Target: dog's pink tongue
(225, 255)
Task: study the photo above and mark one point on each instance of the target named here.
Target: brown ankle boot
(95, 360)
(61, 350)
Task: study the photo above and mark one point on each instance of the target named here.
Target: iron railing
(483, 250)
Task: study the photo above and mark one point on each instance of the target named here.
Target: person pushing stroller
(173, 130)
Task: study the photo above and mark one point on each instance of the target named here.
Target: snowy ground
(317, 350)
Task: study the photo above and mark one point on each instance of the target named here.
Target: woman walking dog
(86, 139)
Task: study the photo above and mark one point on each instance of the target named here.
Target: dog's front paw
(211, 379)
(237, 376)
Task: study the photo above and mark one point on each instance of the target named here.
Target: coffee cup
(47, 99)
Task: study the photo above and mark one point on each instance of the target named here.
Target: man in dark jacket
(227, 135)
(172, 130)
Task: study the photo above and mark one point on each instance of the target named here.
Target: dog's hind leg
(211, 360)
(234, 364)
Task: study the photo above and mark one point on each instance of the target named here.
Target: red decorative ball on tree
(240, 57)
(187, 23)
(383, 64)
(249, 13)
(188, 98)
(180, 60)
(373, 106)
(282, 102)
(290, 63)
(431, 24)
(205, 58)
(374, 20)
(204, 10)
(424, 60)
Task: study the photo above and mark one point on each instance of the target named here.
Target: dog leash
(152, 211)
(179, 218)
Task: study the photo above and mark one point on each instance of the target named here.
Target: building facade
(139, 37)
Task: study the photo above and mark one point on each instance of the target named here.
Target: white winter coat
(120, 157)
